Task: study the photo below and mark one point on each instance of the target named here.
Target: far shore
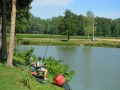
(100, 42)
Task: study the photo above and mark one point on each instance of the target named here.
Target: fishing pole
(47, 47)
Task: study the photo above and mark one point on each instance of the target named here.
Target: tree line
(71, 24)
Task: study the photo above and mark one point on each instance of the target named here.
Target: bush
(55, 67)
(26, 55)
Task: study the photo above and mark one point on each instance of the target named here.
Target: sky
(54, 8)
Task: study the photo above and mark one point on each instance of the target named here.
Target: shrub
(56, 67)
(26, 55)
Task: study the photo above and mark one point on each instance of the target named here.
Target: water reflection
(87, 68)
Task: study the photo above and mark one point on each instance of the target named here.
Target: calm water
(96, 68)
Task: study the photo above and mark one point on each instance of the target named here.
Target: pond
(96, 68)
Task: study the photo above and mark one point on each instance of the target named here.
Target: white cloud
(59, 3)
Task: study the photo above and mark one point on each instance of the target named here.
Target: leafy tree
(116, 27)
(106, 27)
(22, 25)
(34, 25)
(54, 22)
(37, 25)
(43, 26)
(98, 26)
(81, 24)
(22, 15)
(68, 25)
(89, 24)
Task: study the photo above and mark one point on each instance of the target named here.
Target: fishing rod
(47, 47)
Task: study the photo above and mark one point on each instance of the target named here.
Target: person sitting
(40, 67)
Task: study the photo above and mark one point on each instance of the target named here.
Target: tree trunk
(88, 37)
(0, 36)
(3, 31)
(12, 34)
(0, 26)
(0, 33)
(68, 37)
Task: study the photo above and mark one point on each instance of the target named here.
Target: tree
(22, 25)
(115, 30)
(12, 34)
(98, 20)
(68, 24)
(3, 31)
(54, 24)
(89, 24)
(0, 33)
(36, 25)
(22, 15)
(0, 24)
(106, 27)
(81, 24)
(43, 26)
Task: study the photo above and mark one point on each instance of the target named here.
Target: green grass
(18, 78)
(11, 78)
(43, 39)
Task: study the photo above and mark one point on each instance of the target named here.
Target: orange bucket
(59, 79)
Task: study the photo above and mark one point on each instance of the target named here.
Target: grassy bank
(19, 78)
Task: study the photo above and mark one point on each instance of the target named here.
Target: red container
(59, 79)
(34, 73)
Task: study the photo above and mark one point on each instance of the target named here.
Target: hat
(39, 58)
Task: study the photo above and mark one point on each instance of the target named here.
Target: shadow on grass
(64, 40)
